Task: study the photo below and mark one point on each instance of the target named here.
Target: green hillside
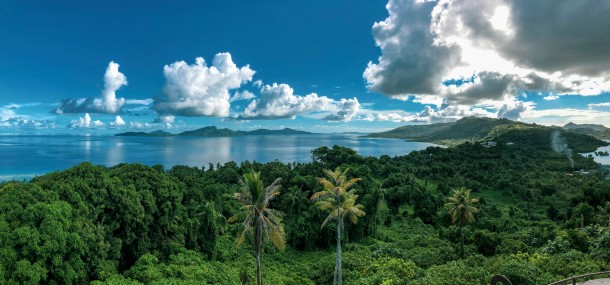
(598, 131)
(488, 129)
(540, 136)
(470, 128)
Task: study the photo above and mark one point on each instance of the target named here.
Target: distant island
(212, 131)
(158, 133)
(475, 129)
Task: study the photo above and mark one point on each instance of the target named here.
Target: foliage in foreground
(538, 221)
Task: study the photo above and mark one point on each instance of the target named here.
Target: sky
(103, 67)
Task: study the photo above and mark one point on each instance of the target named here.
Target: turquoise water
(600, 159)
(26, 156)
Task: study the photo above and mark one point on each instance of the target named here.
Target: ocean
(25, 156)
(605, 160)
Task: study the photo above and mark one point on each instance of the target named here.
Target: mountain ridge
(475, 129)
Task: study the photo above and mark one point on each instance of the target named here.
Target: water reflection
(115, 153)
(28, 155)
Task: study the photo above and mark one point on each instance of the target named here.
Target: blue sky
(327, 66)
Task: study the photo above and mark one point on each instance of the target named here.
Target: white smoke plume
(560, 146)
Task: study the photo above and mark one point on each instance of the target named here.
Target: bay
(604, 160)
(23, 157)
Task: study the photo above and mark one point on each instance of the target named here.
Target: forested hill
(474, 129)
(468, 128)
(212, 131)
(598, 131)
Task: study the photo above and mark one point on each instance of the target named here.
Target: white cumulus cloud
(410, 62)
(445, 113)
(201, 90)
(107, 104)
(346, 110)
(512, 112)
(279, 101)
(429, 48)
(86, 122)
(118, 122)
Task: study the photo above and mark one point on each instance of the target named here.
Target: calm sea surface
(27, 156)
(600, 159)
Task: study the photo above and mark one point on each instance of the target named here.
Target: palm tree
(341, 203)
(214, 224)
(378, 202)
(256, 216)
(460, 208)
(296, 199)
(603, 218)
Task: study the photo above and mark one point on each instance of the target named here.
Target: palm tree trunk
(462, 237)
(462, 242)
(335, 276)
(258, 241)
(339, 277)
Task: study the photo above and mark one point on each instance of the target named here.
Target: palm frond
(324, 205)
(326, 184)
(347, 185)
(255, 214)
(460, 206)
(273, 190)
(329, 218)
(321, 194)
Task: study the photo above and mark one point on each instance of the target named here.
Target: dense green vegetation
(537, 221)
(212, 131)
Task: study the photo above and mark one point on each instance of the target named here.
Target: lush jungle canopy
(537, 220)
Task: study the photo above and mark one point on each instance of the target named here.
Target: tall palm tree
(256, 216)
(461, 208)
(341, 203)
